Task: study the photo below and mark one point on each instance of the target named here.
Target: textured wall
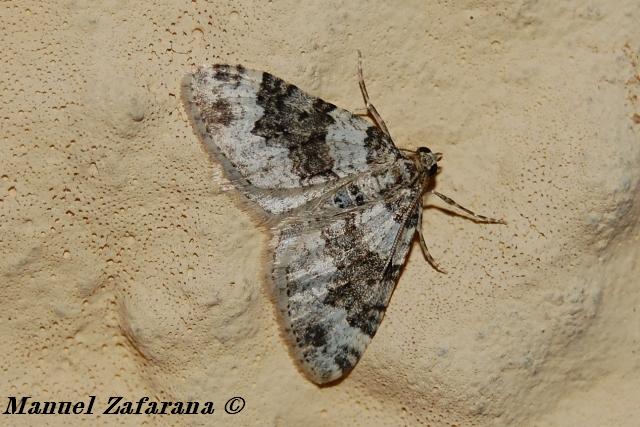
(125, 270)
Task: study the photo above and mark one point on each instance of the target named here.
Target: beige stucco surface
(125, 270)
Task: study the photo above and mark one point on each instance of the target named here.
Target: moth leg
(428, 256)
(365, 95)
(425, 250)
(479, 217)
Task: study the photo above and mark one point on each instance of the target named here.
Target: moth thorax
(427, 160)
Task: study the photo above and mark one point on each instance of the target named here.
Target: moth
(343, 203)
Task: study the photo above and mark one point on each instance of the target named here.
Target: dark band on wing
(294, 120)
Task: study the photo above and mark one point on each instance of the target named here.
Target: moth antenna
(373, 113)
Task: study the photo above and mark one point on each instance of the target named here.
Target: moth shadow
(335, 382)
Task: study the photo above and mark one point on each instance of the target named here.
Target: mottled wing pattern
(334, 278)
(344, 200)
(280, 146)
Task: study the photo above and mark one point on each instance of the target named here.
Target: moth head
(428, 161)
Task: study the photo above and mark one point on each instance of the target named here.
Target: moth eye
(433, 169)
(423, 150)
